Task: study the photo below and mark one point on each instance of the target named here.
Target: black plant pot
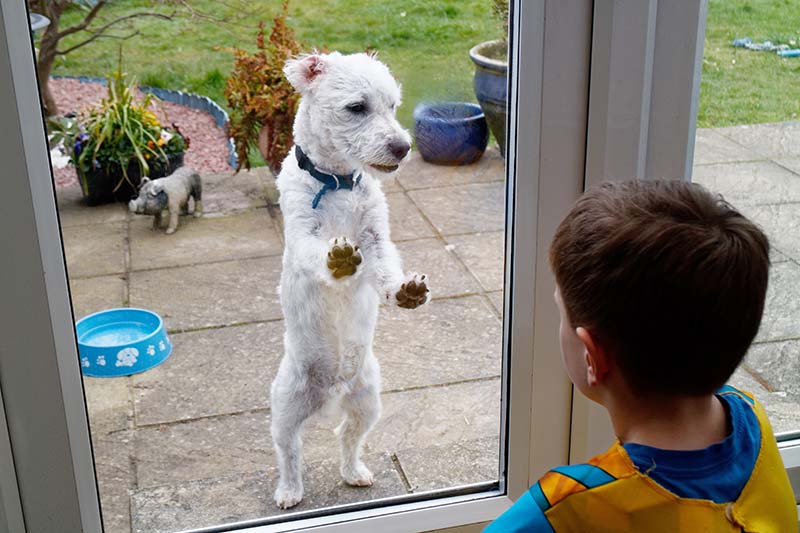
(106, 185)
(490, 85)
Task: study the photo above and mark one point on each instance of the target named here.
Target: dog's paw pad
(358, 476)
(343, 258)
(413, 292)
(288, 497)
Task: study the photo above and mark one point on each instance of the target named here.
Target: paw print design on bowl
(113, 343)
(127, 357)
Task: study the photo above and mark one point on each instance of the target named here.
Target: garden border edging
(190, 100)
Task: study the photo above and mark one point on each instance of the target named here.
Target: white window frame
(645, 80)
(561, 137)
(52, 484)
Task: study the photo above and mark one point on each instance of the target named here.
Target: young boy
(661, 286)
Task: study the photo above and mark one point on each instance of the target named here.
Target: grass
(424, 42)
(744, 87)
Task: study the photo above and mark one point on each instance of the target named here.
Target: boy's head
(669, 279)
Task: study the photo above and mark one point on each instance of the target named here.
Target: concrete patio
(187, 443)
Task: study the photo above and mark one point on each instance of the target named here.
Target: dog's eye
(357, 108)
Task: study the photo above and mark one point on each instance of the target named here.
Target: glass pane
(181, 408)
(746, 150)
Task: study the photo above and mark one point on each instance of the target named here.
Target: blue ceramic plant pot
(490, 84)
(121, 342)
(450, 133)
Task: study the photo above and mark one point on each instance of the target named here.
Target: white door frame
(564, 118)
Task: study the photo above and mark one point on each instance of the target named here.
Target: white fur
(330, 322)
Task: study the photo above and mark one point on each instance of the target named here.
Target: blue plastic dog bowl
(450, 133)
(121, 342)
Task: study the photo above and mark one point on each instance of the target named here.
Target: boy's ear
(301, 72)
(597, 361)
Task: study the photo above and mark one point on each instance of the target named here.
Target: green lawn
(425, 43)
(744, 87)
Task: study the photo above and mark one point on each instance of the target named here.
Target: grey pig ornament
(171, 193)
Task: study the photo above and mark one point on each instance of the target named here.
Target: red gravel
(208, 150)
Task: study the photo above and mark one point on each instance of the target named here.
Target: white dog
(339, 261)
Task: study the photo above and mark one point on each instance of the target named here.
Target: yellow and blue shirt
(737, 485)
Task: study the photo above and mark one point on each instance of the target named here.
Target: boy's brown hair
(670, 278)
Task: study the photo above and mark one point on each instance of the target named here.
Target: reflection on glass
(188, 443)
(744, 152)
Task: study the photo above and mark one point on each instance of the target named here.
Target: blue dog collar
(330, 182)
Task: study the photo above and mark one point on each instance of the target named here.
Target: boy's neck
(686, 423)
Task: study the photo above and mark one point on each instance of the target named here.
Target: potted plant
(263, 103)
(489, 83)
(118, 142)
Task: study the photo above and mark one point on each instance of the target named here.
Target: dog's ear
(301, 72)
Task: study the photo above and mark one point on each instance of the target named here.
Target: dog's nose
(399, 149)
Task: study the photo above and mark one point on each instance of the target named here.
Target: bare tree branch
(85, 23)
(95, 36)
(194, 13)
(99, 32)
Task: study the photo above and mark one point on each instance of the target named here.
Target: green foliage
(260, 96)
(744, 87)
(117, 132)
(424, 42)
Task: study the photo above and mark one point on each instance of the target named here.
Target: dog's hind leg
(292, 403)
(362, 408)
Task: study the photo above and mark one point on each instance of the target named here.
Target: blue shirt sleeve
(525, 516)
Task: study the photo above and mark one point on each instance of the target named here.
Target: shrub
(263, 103)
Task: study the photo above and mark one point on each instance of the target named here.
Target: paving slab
(211, 238)
(227, 192)
(249, 496)
(451, 465)
(778, 363)
(406, 220)
(468, 208)
(447, 275)
(418, 174)
(772, 140)
(94, 249)
(776, 256)
(443, 415)
(781, 223)
(483, 253)
(445, 341)
(790, 163)
(73, 211)
(743, 380)
(115, 479)
(90, 295)
(782, 306)
(783, 410)
(109, 403)
(211, 372)
(498, 302)
(390, 184)
(202, 449)
(711, 147)
(213, 294)
(751, 183)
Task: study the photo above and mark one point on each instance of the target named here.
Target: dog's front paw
(286, 497)
(413, 293)
(343, 258)
(357, 475)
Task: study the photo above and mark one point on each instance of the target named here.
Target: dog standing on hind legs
(339, 261)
